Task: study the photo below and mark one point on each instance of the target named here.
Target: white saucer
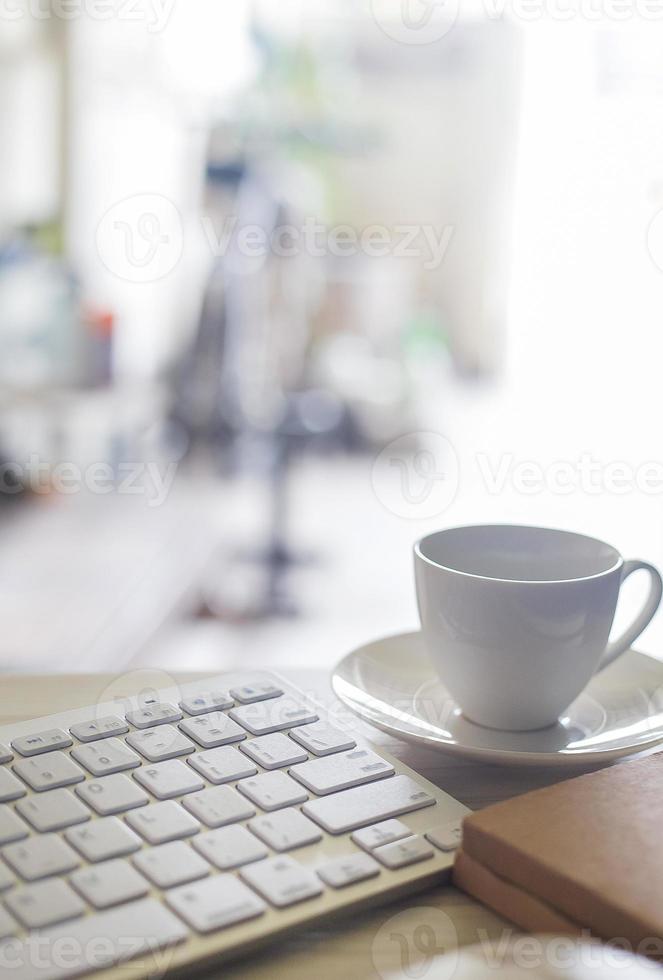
(392, 684)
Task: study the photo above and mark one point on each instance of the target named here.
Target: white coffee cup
(516, 619)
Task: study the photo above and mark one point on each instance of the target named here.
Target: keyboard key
(5, 754)
(141, 927)
(198, 704)
(273, 751)
(40, 857)
(285, 829)
(213, 729)
(341, 771)
(104, 758)
(380, 833)
(230, 847)
(362, 805)
(40, 742)
(159, 744)
(249, 693)
(171, 864)
(272, 790)
(6, 878)
(109, 884)
(163, 822)
(92, 731)
(42, 905)
(215, 903)
(8, 926)
(218, 806)
(282, 881)
(347, 870)
(11, 828)
(265, 717)
(168, 779)
(446, 836)
(322, 739)
(104, 838)
(112, 794)
(159, 713)
(54, 810)
(222, 765)
(49, 771)
(404, 852)
(11, 788)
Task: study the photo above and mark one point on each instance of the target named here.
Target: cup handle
(623, 642)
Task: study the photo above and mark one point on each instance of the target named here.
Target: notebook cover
(515, 904)
(591, 848)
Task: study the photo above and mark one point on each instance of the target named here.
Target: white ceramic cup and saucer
(516, 619)
(515, 624)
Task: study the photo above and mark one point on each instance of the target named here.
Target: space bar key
(363, 805)
(145, 928)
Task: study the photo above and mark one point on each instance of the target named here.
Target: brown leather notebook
(514, 903)
(588, 851)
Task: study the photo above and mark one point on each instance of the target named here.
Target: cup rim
(514, 581)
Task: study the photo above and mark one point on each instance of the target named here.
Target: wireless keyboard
(158, 833)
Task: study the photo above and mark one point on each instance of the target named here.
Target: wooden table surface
(358, 946)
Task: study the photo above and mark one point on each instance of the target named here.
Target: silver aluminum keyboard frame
(202, 950)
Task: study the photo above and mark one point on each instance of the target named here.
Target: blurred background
(286, 285)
